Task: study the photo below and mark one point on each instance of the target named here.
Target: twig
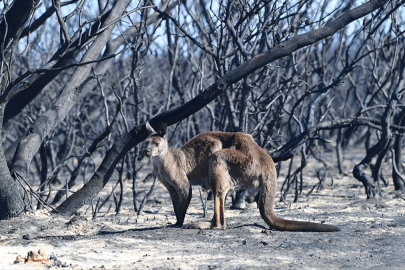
(96, 209)
(152, 188)
(31, 191)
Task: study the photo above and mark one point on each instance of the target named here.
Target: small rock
(76, 219)
(32, 256)
(69, 237)
(157, 201)
(266, 231)
(19, 259)
(41, 252)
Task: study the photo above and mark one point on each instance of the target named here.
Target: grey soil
(372, 235)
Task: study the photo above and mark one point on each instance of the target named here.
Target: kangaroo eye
(157, 144)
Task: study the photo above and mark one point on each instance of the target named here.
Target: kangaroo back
(198, 151)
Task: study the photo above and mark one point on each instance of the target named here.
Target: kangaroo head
(156, 144)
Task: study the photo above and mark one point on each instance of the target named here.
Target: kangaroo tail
(297, 226)
(266, 200)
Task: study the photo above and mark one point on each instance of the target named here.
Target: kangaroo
(218, 161)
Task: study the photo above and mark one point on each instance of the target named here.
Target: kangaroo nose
(148, 153)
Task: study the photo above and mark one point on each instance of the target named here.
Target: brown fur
(218, 161)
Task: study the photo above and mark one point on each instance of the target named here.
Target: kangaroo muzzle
(148, 153)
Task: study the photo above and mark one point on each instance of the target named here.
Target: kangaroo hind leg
(221, 183)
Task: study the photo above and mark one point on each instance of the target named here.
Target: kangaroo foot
(201, 225)
(217, 227)
(177, 225)
(238, 206)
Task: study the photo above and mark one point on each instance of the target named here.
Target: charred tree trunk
(399, 182)
(12, 198)
(339, 153)
(371, 187)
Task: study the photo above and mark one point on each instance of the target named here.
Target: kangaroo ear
(163, 130)
(149, 128)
